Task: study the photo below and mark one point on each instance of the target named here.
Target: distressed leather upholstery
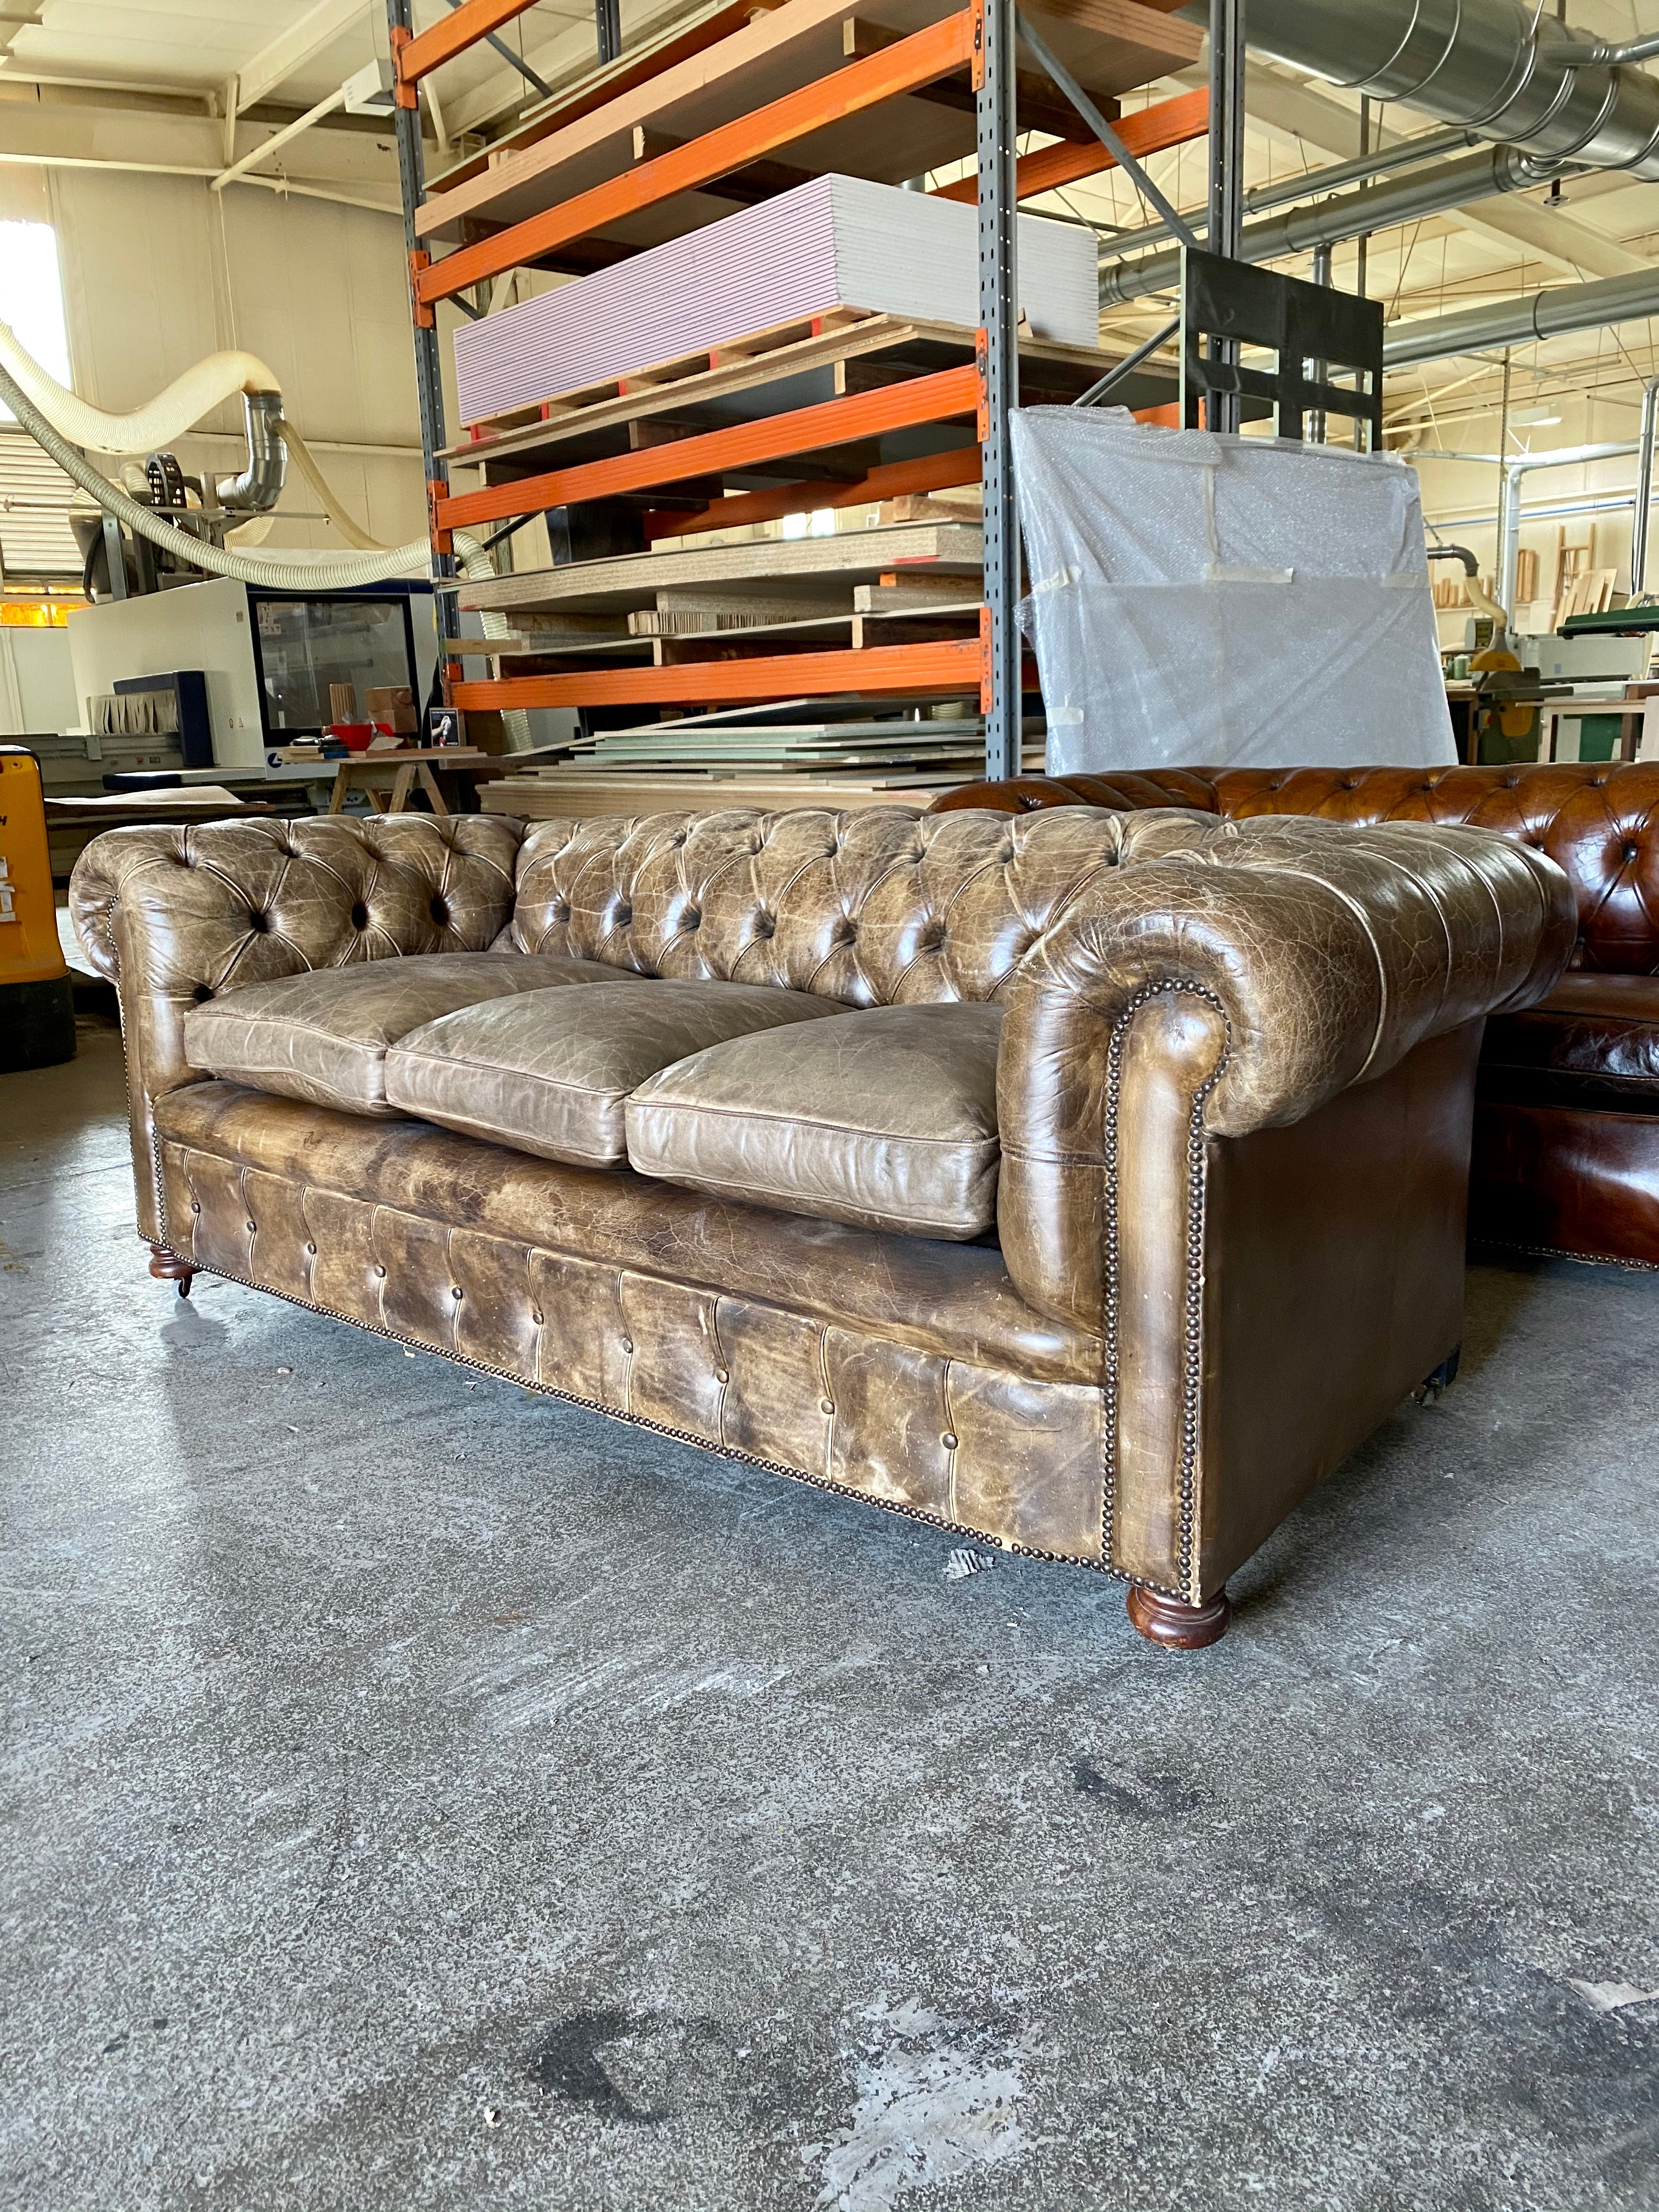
(1234, 1081)
(325, 1035)
(886, 1119)
(1593, 1042)
(173, 916)
(551, 1071)
(1566, 1143)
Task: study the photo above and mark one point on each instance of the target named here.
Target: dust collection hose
(48, 410)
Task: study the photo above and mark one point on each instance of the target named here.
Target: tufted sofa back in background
(1598, 821)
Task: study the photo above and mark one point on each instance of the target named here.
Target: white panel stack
(836, 241)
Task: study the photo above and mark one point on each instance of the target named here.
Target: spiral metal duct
(1499, 67)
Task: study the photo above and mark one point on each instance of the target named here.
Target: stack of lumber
(758, 330)
(792, 761)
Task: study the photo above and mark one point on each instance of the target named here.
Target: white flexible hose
(323, 572)
(59, 420)
(221, 376)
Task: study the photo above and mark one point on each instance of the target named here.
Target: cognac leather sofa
(1090, 1183)
(1566, 1135)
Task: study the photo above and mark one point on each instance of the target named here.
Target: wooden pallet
(737, 353)
(859, 354)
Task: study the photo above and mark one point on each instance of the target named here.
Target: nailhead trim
(1191, 1345)
(677, 1435)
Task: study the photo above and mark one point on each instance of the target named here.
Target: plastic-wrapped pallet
(1229, 602)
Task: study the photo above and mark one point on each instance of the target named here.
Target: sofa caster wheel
(1442, 1379)
(1179, 1627)
(168, 1268)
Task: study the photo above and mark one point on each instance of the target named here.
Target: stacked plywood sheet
(796, 754)
(833, 243)
(796, 568)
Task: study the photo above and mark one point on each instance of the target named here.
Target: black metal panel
(1304, 324)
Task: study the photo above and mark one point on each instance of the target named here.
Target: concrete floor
(420, 1795)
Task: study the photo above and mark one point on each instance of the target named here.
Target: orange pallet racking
(974, 393)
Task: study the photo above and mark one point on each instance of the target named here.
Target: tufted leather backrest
(880, 908)
(1599, 821)
(269, 898)
(173, 916)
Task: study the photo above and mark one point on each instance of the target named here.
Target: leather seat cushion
(549, 1073)
(324, 1037)
(884, 1119)
(1594, 1041)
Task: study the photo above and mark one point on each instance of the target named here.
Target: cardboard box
(393, 705)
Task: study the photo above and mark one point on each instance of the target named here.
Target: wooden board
(1119, 45)
(543, 801)
(583, 89)
(784, 567)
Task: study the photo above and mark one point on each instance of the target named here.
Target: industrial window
(36, 539)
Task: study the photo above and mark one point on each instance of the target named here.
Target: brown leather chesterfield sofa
(1091, 1184)
(1566, 1134)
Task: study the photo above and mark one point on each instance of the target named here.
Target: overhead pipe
(1498, 67)
(1374, 207)
(1407, 154)
(1552, 314)
(1508, 528)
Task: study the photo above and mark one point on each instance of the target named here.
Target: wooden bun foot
(168, 1268)
(1180, 1628)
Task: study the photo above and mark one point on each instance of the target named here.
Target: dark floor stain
(1144, 1797)
(566, 2063)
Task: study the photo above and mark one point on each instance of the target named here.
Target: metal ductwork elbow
(1498, 67)
(259, 486)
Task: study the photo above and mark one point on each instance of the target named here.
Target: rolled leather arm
(1244, 973)
(173, 916)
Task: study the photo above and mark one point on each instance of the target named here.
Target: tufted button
(537, 1319)
(691, 919)
(359, 916)
(202, 994)
(826, 1405)
(623, 916)
(380, 1270)
(252, 1227)
(948, 1441)
(764, 926)
(196, 1205)
(677, 841)
(455, 1291)
(722, 1374)
(560, 912)
(628, 1344)
(1629, 850)
(311, 1248)
(439, 909)
(258, 923)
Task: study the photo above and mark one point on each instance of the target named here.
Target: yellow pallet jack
(37, 1000)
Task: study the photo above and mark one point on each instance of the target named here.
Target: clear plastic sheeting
(1227, 602)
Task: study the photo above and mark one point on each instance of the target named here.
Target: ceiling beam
(292, 48)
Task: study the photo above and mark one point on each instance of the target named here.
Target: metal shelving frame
(981, 36)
